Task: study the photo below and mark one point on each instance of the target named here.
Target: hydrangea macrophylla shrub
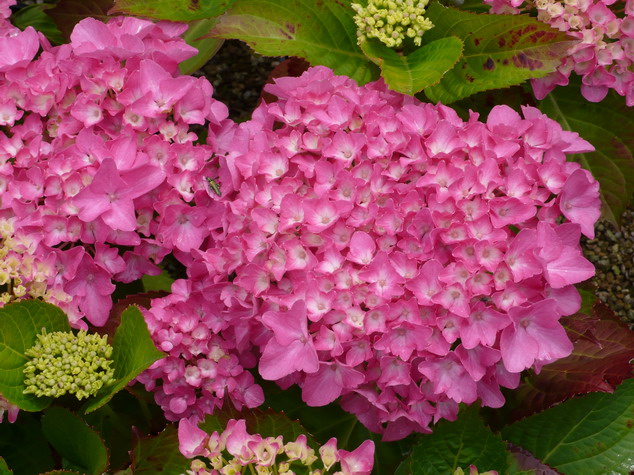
(99, 173)
(237, 451)
(393, 254)
(604, 52)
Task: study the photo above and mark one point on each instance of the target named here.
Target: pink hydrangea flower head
(386, 247)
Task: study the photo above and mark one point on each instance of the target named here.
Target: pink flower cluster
(235, 450)
(396, 255)
(202, 327)
(604, 52)
(99, 173)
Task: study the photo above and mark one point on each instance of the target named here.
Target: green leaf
(35, 16)
(609, 126)
(267, 423)
(20, 323)
(132, 352)
(172, 10)
(499, 51)
(163, 281)
(24, 447)
(418, 70)
(118, 421)
(590, 434)
(332, 421)
(458, 444)
(207, 48)
(67, 13)
(320, 31)
(79, 445)
(159, 454)
(4, 468)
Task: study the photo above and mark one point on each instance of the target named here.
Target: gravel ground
(612, 253)
(238, 76)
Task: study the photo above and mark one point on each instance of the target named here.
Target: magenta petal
(121, 216)
(278, 361)
(191, 439)
(518, 348)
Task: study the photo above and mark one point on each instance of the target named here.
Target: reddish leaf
(67, 13)
(603, 349)
(524, 461)
(142, 300)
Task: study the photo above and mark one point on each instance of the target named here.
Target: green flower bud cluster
(64, 362)
(391, 21)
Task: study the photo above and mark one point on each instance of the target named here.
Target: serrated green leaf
(320, 31)
(499, 51)
(173, 10)
(458, 444)
(159, 454)
(207, 48)
(420, 69)
(590, 434)
(132, 352)
(24, 447)
(20, 323)
(35, 16)
(609, 126)
(79, 445)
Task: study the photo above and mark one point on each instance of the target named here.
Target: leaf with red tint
(67, 13)
(142, 300)
(603, 349)
(523, 461)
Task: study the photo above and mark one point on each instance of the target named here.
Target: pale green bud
(391, 21)
(64, 362)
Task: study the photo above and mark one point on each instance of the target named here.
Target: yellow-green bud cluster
(391, 21)
(64, 362)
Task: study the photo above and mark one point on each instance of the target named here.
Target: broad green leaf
(418, 70)
(159, 454)
(79, 445)
(589, 434)
(207, 48)
(600, 361)
(132, 352)
(172, 10)
(266, 423)
(332, 421)
(458, 444)
(609, 126)
(320, 31)
(35, 16)
(499, 51)
(24, 447)
(67, 13)
(4, 468)
(118, 421)
(20, 323)
(163, 281)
